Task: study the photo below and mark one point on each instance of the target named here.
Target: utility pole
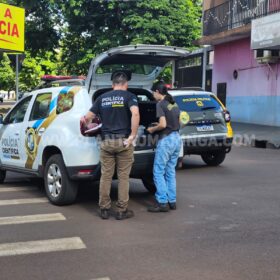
(17, 77)
(204, 65)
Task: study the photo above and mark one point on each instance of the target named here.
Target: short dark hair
(119, 78)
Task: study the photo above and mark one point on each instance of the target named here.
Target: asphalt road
(226, 228)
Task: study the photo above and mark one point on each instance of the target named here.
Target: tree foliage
(35, 67)
(95, 26)
(78, 30)
(7, 75)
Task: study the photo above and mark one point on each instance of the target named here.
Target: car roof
(179, 92)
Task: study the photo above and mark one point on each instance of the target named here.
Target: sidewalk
(259, 136)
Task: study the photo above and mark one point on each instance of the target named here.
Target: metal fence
(236, 13)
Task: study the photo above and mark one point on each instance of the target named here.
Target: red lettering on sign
(9, 29)
(2, 31)
(15, 31)
(8, 14)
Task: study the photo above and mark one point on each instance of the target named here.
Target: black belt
(114, 136)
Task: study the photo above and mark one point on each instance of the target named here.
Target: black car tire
(69, 188)
(2, 176)
(149, 184)
(214, 158)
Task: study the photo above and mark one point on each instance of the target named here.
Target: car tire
(2, 176)
(179, 164)
(214, 158)
(149, 184)
(59, 188)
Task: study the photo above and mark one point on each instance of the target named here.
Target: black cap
(125, 72)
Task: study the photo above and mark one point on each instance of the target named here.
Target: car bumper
(142, 166)
(206, 144)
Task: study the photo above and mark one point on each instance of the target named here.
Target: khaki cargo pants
(114, 154)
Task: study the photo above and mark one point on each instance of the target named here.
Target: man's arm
(89, 116)
(92, 113)
(135, 119)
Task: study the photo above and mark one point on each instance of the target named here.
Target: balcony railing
(236, 13)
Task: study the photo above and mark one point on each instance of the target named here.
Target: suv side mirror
(1, 119)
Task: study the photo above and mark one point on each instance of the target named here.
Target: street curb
(259, 144)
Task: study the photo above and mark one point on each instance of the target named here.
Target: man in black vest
(119, 113)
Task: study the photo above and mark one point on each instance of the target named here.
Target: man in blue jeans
(168, 149)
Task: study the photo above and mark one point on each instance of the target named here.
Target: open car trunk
(145, 62)
(147, 109)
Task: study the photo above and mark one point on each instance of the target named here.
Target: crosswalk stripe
(41, 246)
(17, 189)
(15, 220)
(22, 201)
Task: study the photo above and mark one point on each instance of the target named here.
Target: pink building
(245, 35)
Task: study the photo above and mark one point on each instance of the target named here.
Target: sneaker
(121, 215)
(105, 214)
(172, 205)
(159, 207)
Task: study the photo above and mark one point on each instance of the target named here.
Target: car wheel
(59, 188)
(214, 158)
(179, 164)
(149, 184)
(2, 176)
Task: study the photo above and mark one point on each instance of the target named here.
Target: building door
(222, 92)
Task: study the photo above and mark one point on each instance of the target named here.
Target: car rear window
(197, 103)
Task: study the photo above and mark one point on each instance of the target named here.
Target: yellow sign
(11, 28)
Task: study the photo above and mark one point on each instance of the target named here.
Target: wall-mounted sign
(265, 32)
(11, 28)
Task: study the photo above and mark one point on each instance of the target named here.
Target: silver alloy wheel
(54, 180)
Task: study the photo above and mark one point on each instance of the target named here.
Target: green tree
(7, 75)
(33, 68)
(95, 26)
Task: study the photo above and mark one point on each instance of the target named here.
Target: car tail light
(227, 116)
(85, 172)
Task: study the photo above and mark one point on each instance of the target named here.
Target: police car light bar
(50, 78)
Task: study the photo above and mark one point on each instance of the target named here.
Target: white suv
(41, 135)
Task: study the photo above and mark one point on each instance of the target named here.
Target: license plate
(205, 128)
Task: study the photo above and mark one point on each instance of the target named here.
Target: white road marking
(17, 189)
(41, 246)
(104, 278)
(22, 201)
(15, 220)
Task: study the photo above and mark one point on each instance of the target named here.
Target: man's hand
(129, 141)
(87, 118)
(83, 120)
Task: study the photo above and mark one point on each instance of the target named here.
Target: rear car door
(35, 127)
(12, 135)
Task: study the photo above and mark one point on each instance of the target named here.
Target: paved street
(226, 227)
